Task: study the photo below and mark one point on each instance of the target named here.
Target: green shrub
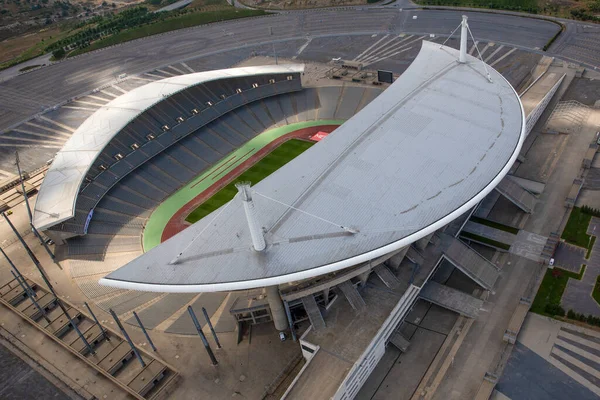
(554, 309)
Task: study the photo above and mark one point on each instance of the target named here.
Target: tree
(58, 53)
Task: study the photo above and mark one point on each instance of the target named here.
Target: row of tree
(103, 26)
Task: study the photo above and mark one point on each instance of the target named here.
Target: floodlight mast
(464, 32)
(258, 239)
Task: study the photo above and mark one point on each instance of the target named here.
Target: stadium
(275, 199)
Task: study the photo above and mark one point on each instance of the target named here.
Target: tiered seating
(132, 188)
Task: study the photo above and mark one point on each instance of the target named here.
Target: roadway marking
(574, 375)
(65, 134)
(493, 54)
(580, 340)
(154, 76)
(98, 98)
(504, 56)
(124, 91)
(21, 130)
(144, 79)
(45, 146)
(89, 103)
(301, 49)
(57, 124)
(576, 362)
(382, 48)
(165, 72)
(8, 137)
(164, 325)
(177, 70)
(187, 67)
(473, 48)
(369, 48)
(79, 108)
(575, 349)
(109, 94)
(394, 50)
(386, 54)
(385, 58)
(482, 52)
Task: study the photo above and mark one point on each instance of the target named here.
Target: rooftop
(58, 193)
(421, 154)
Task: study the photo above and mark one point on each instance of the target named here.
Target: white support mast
(258, 239)
(464, 32)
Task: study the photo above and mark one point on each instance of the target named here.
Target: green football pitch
(276, 159)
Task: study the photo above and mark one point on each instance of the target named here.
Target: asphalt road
(26, 95)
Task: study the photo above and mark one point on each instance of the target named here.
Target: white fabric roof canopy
(57, 195)
(420, 155)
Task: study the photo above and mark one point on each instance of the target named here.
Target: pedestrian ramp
(516, 194)
(352, 295)
(471, 263)
(451, 299)
(388, 278)
(314, 314)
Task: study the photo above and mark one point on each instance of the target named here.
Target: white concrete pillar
(364, 277)
(258, 239)
(326, 296)
(463, 40)
(277, 308)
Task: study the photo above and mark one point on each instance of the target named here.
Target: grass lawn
(171, 24)
(576, 227)
(482, 239)
(552, 288)
(256, 173)
(596, 291)
(25, 47)
(494, 224)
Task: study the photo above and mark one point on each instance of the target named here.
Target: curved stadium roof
(57, 195)
(421, 154)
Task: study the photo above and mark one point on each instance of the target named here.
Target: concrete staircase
(516, 194)
(388, 278)
(471, 263)
(352, 295)
(314, 313)
(451, 299)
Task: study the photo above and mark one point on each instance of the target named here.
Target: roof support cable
(489, 77)
(345, 228)
(176, 259)
(451, 34)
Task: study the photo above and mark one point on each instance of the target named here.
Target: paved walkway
(19, 381)
(529, 245)
(578, 294)
(552, 360)
(490, 233)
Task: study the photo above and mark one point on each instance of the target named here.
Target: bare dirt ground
(13, 47)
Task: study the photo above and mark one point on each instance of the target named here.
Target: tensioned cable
(474, 44)
(448, 38)
(347, 229)
(480, 56)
